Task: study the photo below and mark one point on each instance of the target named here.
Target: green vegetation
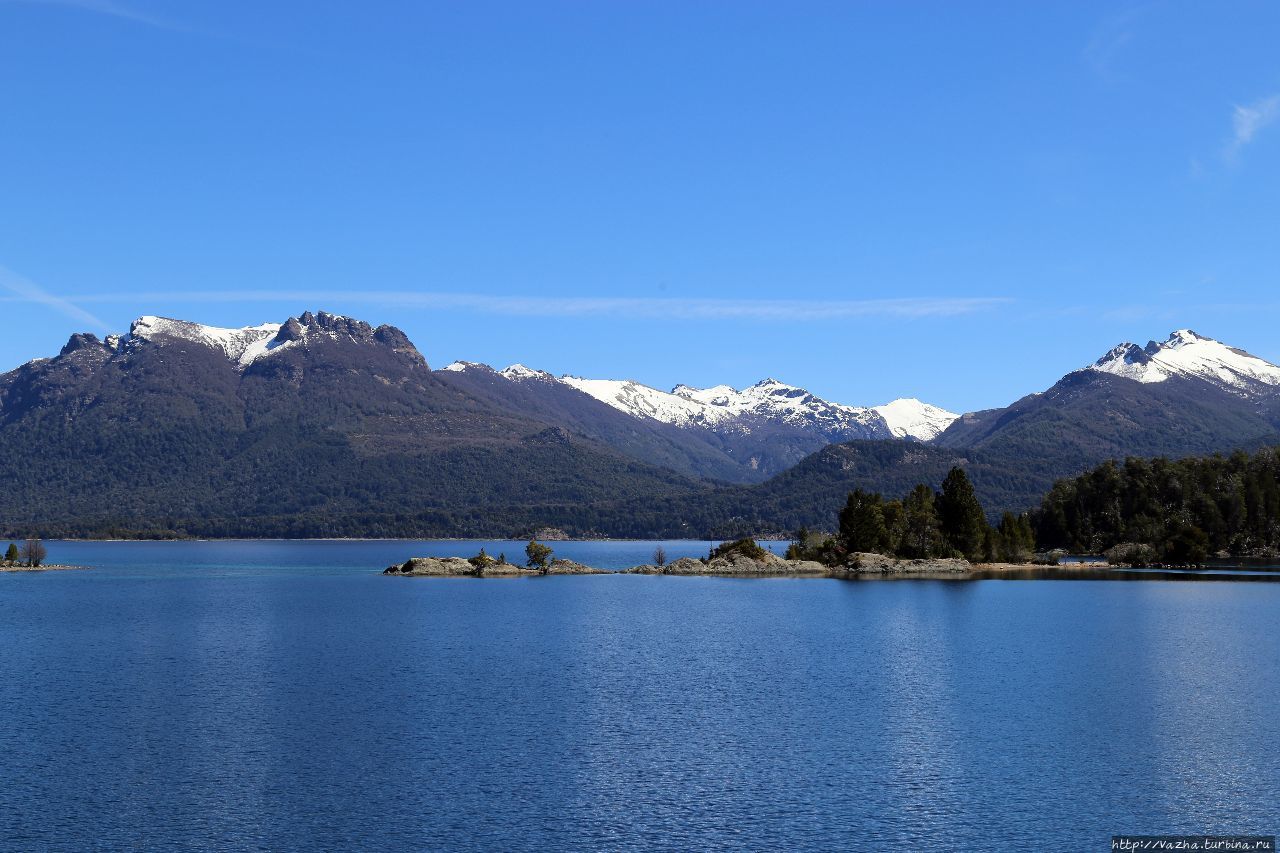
(960, 517)
(537, 553)
(1139, 512)
(483, 561)
(11, 556)
(924, 524)
(738, 548)
(1172, 511)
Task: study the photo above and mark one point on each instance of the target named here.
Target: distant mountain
(539, 396)
(1188, 395)
(326, 426)
(763, 429)
(1186, 355)
(321, 425)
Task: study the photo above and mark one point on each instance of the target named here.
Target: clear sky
(954, 201)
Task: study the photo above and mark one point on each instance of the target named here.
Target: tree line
(1170, 511)
(923, 524)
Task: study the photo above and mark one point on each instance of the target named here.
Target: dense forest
(1140, 512)
(1163, 510)
(923, 524)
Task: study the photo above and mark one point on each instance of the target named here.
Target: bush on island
(1136, 554)
(537, 553)
(481, 561)
(742, 547)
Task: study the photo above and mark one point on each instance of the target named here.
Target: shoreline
(51, 567)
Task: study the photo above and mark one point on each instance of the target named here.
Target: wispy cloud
(106, 7)
(27, 291)
(1110, 38)
(1248, 120)
(649, 308)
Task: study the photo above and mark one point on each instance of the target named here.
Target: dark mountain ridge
(320, 426)
(326, 426)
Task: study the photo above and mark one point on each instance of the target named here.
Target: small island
(29, 558)
(742, 558)
(539, 562)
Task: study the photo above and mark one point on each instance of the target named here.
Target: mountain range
(743, 436)
(326, 426)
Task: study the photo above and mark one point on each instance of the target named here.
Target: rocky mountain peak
(247, 345)
(81, 340)
(1188, 355)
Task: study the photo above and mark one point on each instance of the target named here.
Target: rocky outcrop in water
(737, 565)
(457, 567)
(878, 564)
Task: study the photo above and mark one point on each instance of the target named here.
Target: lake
(285, 695)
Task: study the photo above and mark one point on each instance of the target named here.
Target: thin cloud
(106, 7)
(26, 291)
(1109, 40)
(648, 308)
(1248, 120)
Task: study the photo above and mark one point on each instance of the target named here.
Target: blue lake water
(285, 695)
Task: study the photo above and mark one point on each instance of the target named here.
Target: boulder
(443, 567)
(561, 566)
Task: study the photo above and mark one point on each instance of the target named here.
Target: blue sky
(958, 202)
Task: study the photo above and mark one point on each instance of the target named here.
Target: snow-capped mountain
(1189, 355)
(724, 408)
(247, 345)
(910, 418)
(762, 429)
(325, 425)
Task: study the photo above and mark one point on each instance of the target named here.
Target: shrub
(481, 561)
(1137, 554)
(740, 547)
(537, 553)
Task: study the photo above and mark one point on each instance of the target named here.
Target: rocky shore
(861, 564)
(48, 567)
(733, 564)
(457, 567)
(736, 565)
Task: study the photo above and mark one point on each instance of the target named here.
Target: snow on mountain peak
(519, 373)
(641, 400)
(908, 417)
(723, 407)
(242, 346)
(1188, 354)
(460, 366)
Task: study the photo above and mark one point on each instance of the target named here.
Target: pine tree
(922, 533)
(11, 556)
(960, 515)
(1014, 539)
(862, 526)
(537, 553)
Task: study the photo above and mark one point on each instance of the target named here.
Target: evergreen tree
(862, 526)
(1015, 543)
(922, 532)
(11, 556)
(895, 525)
(960, 515)
(537, 553)
(1177, 511)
